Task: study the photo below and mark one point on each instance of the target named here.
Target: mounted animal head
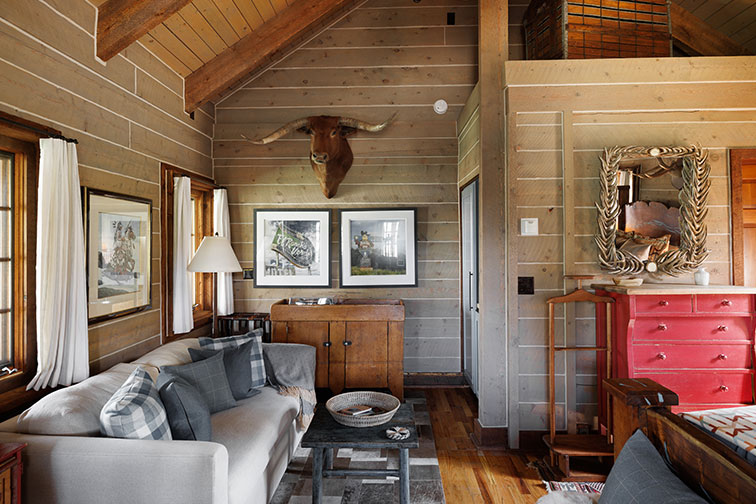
(330, 154)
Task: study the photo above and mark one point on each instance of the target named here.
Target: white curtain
(222, 228)
(183, 249)
(62, 332)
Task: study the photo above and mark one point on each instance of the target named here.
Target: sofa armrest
(290, 364)
(82, 470)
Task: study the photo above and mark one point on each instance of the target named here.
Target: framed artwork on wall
(292, 248)
(118, 232)
(378, 247)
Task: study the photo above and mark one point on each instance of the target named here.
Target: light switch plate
(529, 226)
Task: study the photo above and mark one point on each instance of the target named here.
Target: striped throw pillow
(135, 410)
(255, 353)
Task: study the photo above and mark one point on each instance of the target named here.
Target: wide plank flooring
(473, 475)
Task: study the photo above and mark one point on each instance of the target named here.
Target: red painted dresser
(696, 341)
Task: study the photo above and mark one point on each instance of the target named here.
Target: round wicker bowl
(386, 402)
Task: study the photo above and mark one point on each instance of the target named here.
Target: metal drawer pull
(347, 342)
(723, 388)
(722, 357)
(662, 326)
(661, 356)
(722, 328)
(327, 344)
(726, 302)
(663, 302)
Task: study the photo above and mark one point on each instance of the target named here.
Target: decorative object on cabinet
(697, 341)
(378, 247)
(701, 276)
(359, 342)
(670, 260)
(11, 467)
(292, 248)
(119, 236)
(564, 446)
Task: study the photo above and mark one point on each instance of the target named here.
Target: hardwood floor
(471, 475)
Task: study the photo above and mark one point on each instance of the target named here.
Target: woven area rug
(425, 477)
(548, 478)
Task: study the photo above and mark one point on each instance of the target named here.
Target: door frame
(736, 210)
(461, 279)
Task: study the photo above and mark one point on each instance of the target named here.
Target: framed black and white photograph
(119, 239)
(292, 248)
(378, 247)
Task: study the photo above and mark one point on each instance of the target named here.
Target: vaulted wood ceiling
(734, 18)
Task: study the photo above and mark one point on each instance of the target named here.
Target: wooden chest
(696, 341)
(580, 29)
(359, 343)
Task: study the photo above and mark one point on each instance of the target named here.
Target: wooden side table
(11, 468)
(629, 398)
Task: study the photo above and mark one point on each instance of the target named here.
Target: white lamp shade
(214, 255)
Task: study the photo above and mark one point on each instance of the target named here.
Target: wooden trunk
(597, 29)
(359, 342)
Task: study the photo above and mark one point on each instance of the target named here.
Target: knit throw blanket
(290, 368)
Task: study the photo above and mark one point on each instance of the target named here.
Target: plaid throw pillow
(135, 410)
(255, 353)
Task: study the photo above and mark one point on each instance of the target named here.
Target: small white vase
(701, 277)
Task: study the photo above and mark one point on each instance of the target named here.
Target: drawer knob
(722, 356)
(662, 326)
(722, 328)
(327, 344)
(661, 356)
(663, 302)
(726, 302)
(347, 342)
(723, 388)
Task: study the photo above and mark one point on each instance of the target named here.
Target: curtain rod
(40, 131)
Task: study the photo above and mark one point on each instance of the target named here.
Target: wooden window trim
(737, 156)
(200, 185)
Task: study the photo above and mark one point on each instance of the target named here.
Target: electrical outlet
(526, 285)
(529, 226)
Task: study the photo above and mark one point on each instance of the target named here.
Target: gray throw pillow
(209, 377)
(236, 362)
(640, 476)
(188, 414)
(257, 365)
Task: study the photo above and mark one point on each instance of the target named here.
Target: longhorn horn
(366, 126)
(283, 130)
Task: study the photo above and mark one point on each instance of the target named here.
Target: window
(6, 261)
(202, 225)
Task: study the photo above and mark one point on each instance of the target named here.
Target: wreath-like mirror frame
(693, 197)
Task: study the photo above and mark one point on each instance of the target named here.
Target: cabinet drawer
(672, 356)
(722, 303)
(664, 304)
(707, 387)
(699, 328)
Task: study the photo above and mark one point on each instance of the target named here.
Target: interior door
(743, 190)
(469, 216)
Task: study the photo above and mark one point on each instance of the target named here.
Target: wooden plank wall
(385, 56)
(517, 10)
(468, 137)
(127, 115)
(561, 115)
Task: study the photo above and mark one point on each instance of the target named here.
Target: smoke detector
(440, 107)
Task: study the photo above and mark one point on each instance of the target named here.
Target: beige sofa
(251, 446)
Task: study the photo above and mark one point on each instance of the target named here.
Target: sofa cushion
(640, 476)
(236, 362)
(209, 377)
(257, 366)
(188, 414)
(135, 410)
(74, 410)
(170, 354)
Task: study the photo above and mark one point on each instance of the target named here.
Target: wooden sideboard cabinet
(696, 341)
(11, 468)
(359, 342)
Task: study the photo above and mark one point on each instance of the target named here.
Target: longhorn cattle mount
(330, 154)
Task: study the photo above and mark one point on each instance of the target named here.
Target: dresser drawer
(664, 304)
(691, 329)
(673, 356)
(722, 303)
(706, 387)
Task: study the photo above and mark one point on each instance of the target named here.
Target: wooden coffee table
(326, 435)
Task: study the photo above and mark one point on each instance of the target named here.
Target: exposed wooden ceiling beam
(121, 22)
(260, 49)
(698, 38)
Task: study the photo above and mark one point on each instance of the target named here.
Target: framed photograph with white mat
(118, 231)
(378, 247)
(292, 248)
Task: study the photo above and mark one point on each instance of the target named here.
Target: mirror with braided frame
(692, 199)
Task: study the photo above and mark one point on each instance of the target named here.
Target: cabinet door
(5, 486)
(366, 355)
(314, 334)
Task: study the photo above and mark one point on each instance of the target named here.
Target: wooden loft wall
(468, 138)
(561, 115)
(385, 56)
(128, 116)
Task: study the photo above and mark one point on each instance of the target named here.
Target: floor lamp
(214, 255)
